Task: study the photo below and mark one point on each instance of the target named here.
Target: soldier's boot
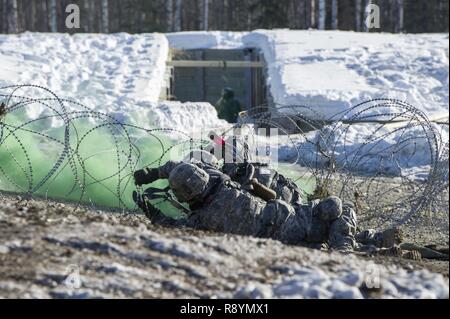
(425, 252)
(393, 251)
(412, 254)
(385, 239)
(390, 237)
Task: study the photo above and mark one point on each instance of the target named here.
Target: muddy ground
(58, 250)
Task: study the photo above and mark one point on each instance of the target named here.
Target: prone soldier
(220, 204)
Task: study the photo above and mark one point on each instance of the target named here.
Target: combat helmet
(201, 156)
(227, 93)
(188, 181)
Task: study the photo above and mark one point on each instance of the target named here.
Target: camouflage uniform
(285, 188)
(223, 206)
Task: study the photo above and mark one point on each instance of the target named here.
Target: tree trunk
(105, 16)
(52, 16)
(206, 15)
(4, 16)
(178, 15)
(169, 15)
(86, 13)
(31, 16)
(400, 10)
(199, 12)
(366, 14)
(300, 14)
(322, 14)
(219, 16)
(334, 14)
(11, 16)
(312, 14)
(357, 15)
(89, 8)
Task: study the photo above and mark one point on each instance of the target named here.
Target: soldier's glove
(146, 176)
(149, 210)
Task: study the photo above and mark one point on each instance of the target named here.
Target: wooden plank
(216, 64)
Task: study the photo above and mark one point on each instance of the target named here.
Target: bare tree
(177, 15)
(322, 14)
(312, 13)
(400, 10)
(300, 14)
(29, 23)
(177, 25)
(105, 16)
(334, 14)
(52, 16)
(169, 15)
(366, 14)
(89, 8)
(358, 15)
(206, 15)
(4, 16)
(11, 16)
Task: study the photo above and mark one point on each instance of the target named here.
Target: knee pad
(273, 216)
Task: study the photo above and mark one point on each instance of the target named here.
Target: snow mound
(328, 70)
(189, 117)
(361, 148)
(333, 70)
(122, 75)
(111, 73)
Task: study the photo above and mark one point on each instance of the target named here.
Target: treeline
(136, 16)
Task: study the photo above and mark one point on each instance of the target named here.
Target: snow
(186, 117)
(307, 283)
(333, 70)
(328, 75)
(118, 74)
(328, 70)
(111, 73)
(367, 149)
(122, 74)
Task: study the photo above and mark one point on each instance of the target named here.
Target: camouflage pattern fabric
(225, 207)
(285, 188)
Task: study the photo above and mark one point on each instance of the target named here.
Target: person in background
(228, 107)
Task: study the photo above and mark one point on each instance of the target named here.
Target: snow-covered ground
(122, 74)
(332, 71)
(103, 71)
(126, 256)
(119, 74)
(329, 71)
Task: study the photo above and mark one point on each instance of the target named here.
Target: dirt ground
(124, 255)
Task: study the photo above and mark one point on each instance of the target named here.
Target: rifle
(153, 193)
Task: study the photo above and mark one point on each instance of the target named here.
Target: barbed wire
(384, 155)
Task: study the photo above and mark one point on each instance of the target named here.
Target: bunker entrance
(200, 76)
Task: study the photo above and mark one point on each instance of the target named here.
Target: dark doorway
(200, 76)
